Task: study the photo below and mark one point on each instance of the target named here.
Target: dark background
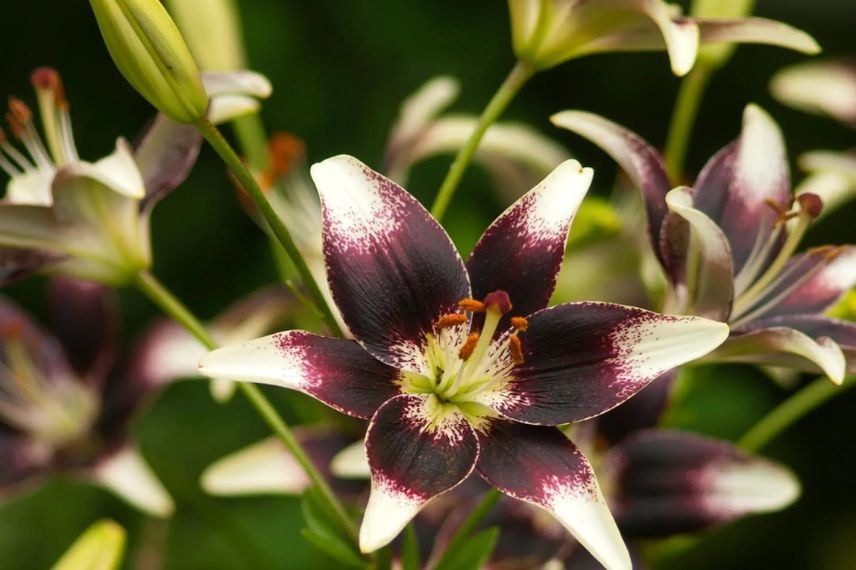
(340, 70)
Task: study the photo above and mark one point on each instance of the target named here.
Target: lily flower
(728, 246)
(463, 368)
(546, 33)
(90, 220)
(64, 405)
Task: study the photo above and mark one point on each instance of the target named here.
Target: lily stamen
(20, 120)
(472, 305)
(520, 323)
(450, 320)
(469, 346)
(516, 349)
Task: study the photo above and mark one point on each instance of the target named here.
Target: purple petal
(392, 269)
(541, 466)
(165, 155)
(642, 411)
(20, 460)
(582, 359)
(669, 483)
(788, 347)
(46, 352)
(522, 251)
(843, 333)
(810, 282)
(738, 184)
(335, 371)
(417, 449)
(639, 160)
(20, 263)
(85, 318)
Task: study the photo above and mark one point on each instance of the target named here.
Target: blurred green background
(340, 68)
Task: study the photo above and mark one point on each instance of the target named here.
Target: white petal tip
(387, 513)
(264, 467)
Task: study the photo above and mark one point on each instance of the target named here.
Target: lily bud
(149, 51)
(213, 32)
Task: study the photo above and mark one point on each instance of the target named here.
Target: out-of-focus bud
(212, 29)
(717, 55)
(149, 51)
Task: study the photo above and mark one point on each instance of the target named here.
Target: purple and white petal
(639, 160)
(710, 286)
(583, 359)
(843, 333)
(541, 466)
(782, 346)
(21, 459)
(392, 269)
(668, 483)
(19, 263)
(85, 319)
(126, 473)
(522, 251)
(755, 31)
(738, 185)
(822, 87)
(417, 448)
(335, 371)
(165, 155)
(810, 282)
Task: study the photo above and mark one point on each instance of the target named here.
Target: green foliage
(472, 553)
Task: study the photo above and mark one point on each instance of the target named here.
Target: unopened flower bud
(148, 49)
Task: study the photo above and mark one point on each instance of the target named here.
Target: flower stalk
(280, 231)
(520, 74)
(152, 288)
(684, 116)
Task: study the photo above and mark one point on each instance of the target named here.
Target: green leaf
(100, 547)
(323, 532)
(410, 550)
(471, 554)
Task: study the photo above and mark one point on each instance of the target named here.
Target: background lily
(825, 88)
(547, 33)
(65, 406)
(728, 246)
(91, 220)
(458, 376)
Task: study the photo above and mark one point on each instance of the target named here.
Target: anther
(520, 323)
(498, 300)
(810, 203)
(19, 111)
(472, 305)
(12, 329)
(284, 150)
(450, 320)
(516, 349)
(469, 346)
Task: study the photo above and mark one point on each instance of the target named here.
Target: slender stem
(468, 526)
(233, 161)
(518, 77)
(788, 412)
(250, 133)
(149, 285)
(683, 118)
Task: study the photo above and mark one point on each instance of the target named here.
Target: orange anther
(520, 323)
(12, 329)
(516, 349)
(472, 305)
(469, 346)
(19, 110)
(285, 151)
(450, 320)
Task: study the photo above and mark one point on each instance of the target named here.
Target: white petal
(31, 188)
(128, 475)
(225, 108)
(242, 82)
(264, 467)
(750, 487)
(387, 513)
(351, 462)
(259, 360)
(118, 171)
(420, 109)
(827, 88)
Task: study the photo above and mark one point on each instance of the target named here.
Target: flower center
(806, 208)
(54, 409)
(465, 365)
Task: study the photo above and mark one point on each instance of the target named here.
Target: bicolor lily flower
(64, 405)
(91, 219)
(547, 33)
(463, 368)
(728, 246)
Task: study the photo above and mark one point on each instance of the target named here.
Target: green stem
(233, 161)
(788, 412)
(150, 286)
(468, 526)
(684, 117)
(252, 140)
(518, 77)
